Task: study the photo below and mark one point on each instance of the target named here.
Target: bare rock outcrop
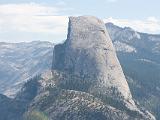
(88, 54)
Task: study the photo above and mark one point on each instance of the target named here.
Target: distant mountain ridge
(20, 62)
(139, 55)
(140, 41)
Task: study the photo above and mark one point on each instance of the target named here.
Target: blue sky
(46, 20)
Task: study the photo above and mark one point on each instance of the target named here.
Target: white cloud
(27, 9)
(150, 25)
(33, 18)
(153, 19)
(49, 24)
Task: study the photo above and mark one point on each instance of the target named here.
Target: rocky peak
(125, 34)
(87, 82)
(89, 53)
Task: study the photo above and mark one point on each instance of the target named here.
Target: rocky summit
(89, 53)
(88, 63)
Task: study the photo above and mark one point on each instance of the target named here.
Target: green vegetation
(144, 81)
(35, 115)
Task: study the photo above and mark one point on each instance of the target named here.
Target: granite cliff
(89, 53)
(87, 81)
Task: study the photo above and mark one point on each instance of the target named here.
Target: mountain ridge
(16, 60)
(141, 67)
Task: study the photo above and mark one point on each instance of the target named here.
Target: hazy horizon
(30, 20)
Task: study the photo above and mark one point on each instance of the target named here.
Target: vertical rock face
(89, 53)
(87, 63)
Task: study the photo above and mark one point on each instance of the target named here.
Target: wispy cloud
(27, 9)
(34, 18)
(149, 25)
(30, 20)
